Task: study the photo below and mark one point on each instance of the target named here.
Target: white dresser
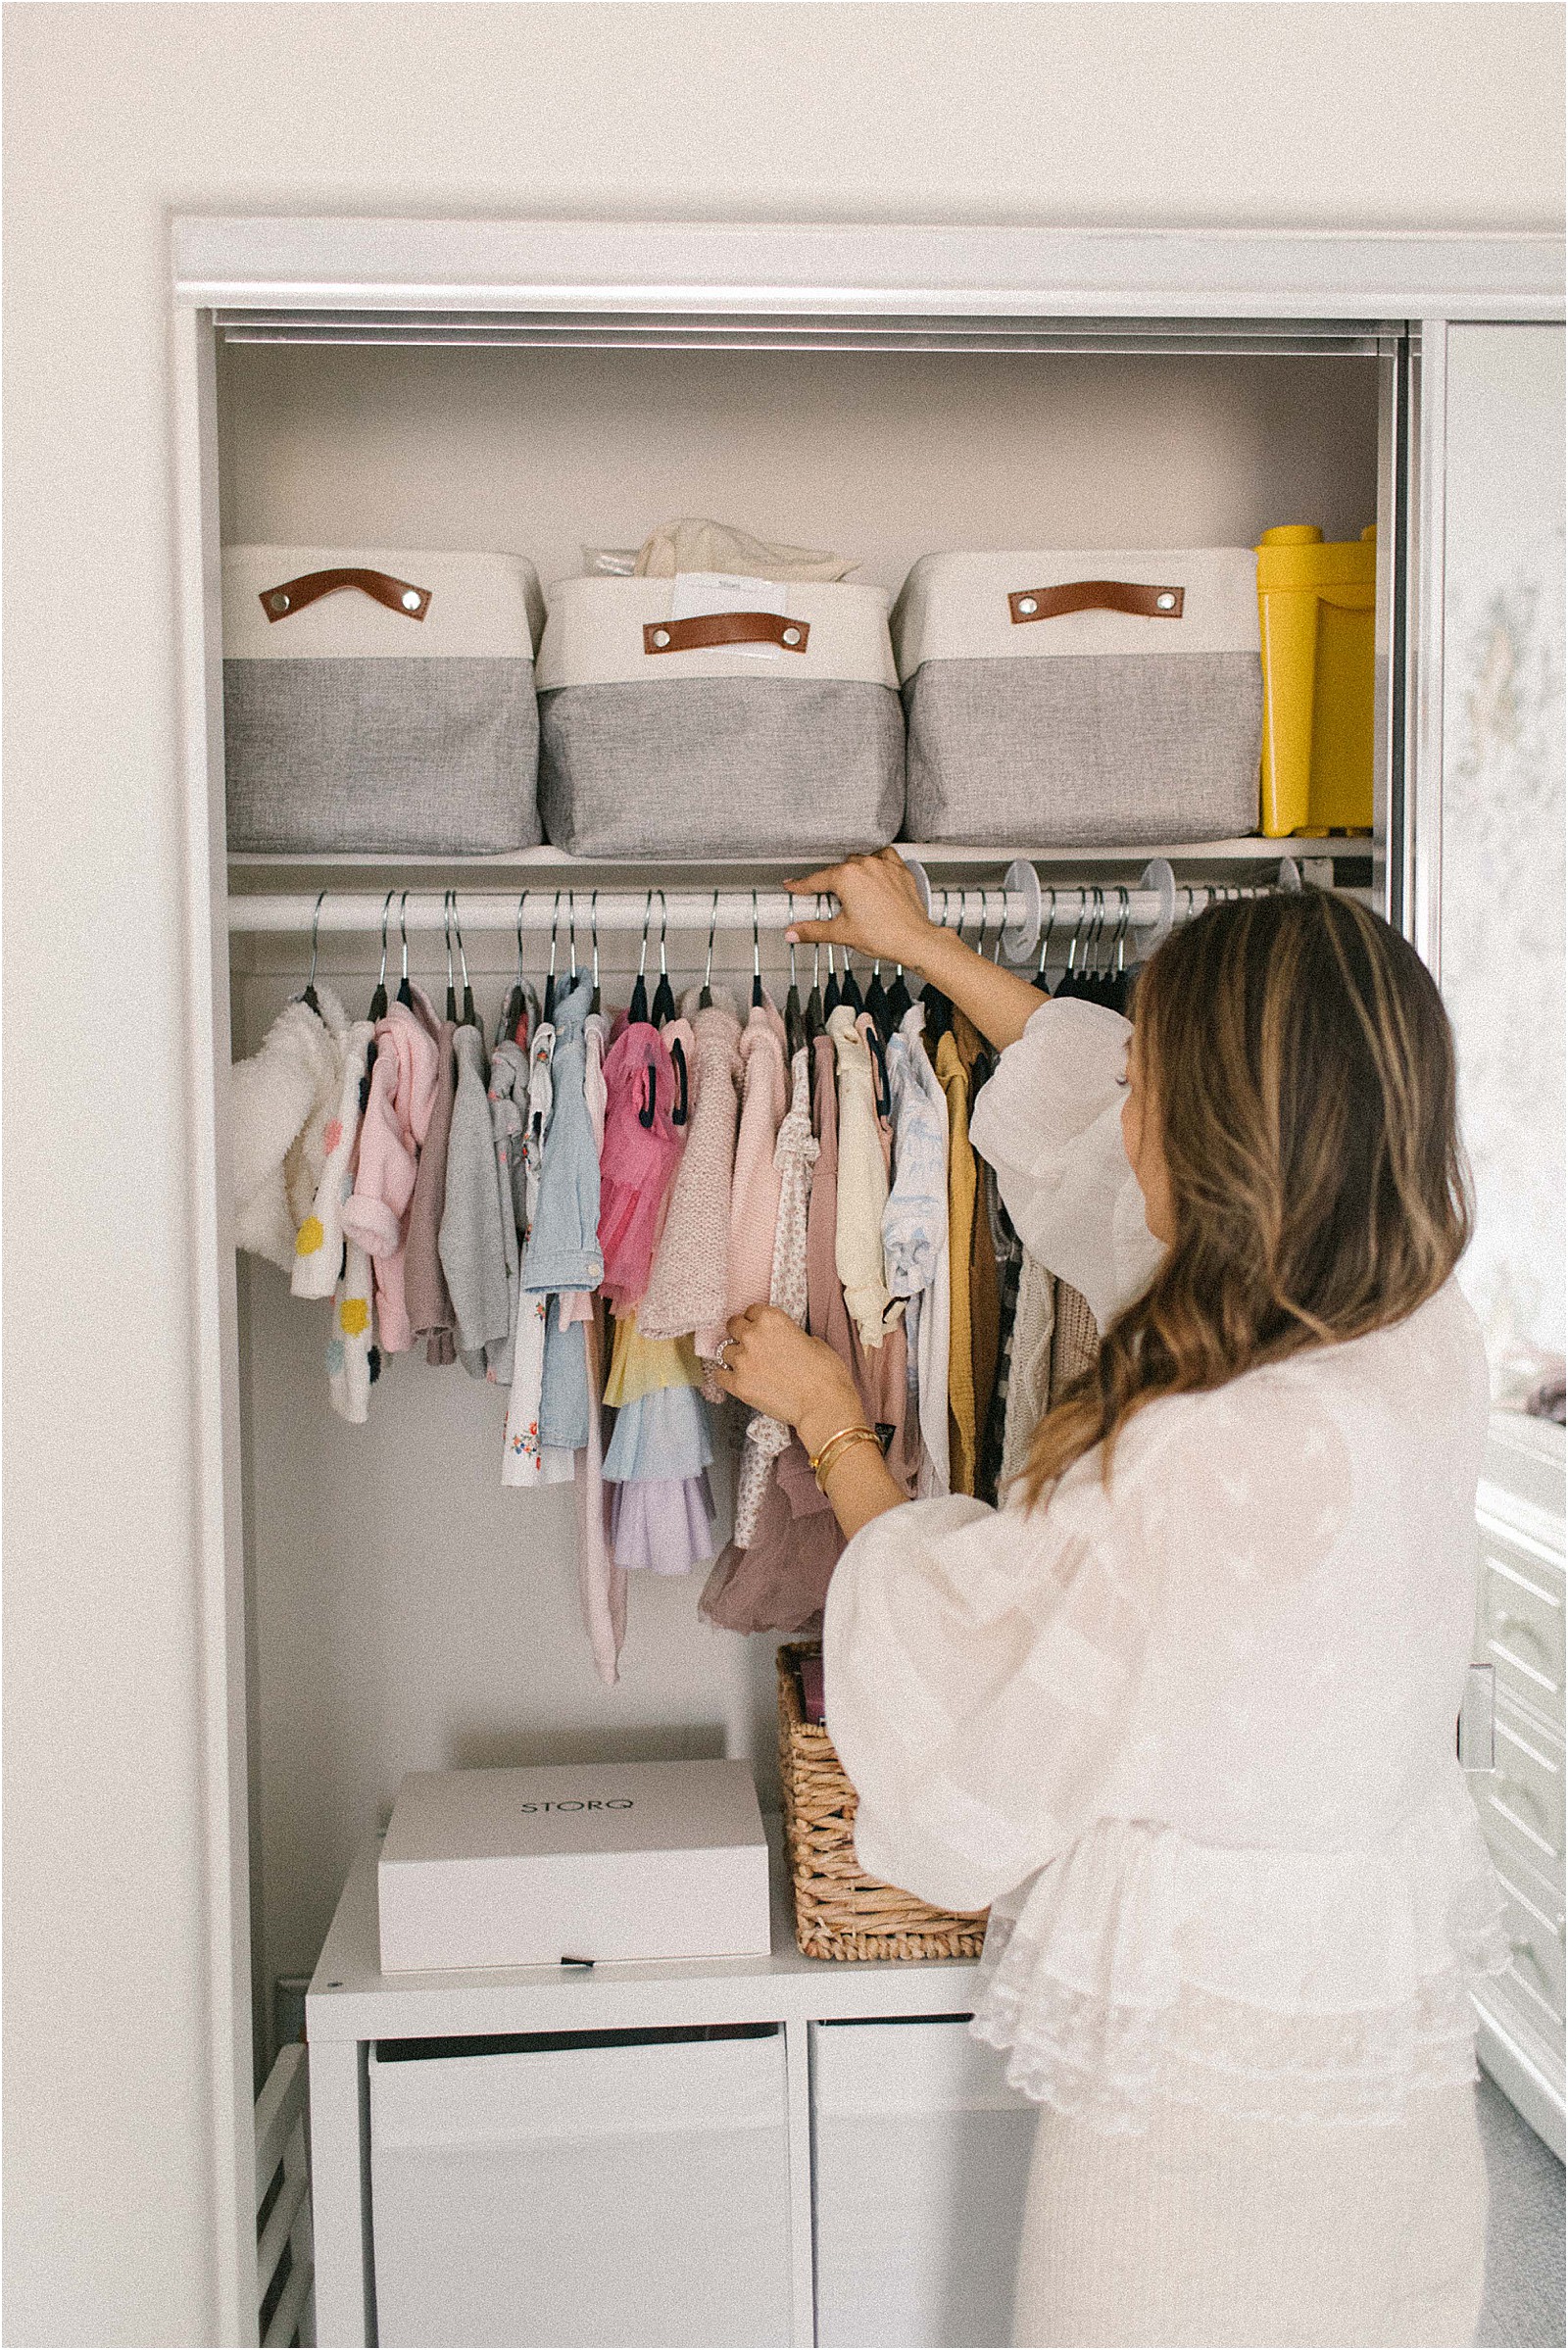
(1519, 1632)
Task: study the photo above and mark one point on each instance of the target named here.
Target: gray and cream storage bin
(380, 700)
(738, 733)
(1083, 698)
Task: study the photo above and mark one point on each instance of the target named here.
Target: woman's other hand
(770, 1363)
(879, 909)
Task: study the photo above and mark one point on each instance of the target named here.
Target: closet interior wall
(405, 1611)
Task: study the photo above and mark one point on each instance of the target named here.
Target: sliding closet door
(1501, 943)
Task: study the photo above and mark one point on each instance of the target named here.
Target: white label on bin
(699, 594)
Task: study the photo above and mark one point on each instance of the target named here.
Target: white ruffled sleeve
(1050, 1123)
(980, 1668)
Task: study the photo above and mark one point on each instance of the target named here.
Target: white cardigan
(1193, 1739)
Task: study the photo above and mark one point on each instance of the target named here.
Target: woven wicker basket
(840, 1913)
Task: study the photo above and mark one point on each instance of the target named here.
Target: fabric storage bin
(921, 2163)
(1081, 699)
(380, 698)
(582, 2188)
(738, 733)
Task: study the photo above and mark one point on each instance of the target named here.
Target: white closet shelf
(1249, 848)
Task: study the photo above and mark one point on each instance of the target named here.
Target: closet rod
(1019, 906)
(688, 909)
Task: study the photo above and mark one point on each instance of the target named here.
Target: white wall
(116, 116)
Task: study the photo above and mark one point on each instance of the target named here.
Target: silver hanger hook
(446, 925)
(829, 944)
(663, 932)
(712, 927)
(1051, 924)
(571, 933)
(1076, 940)
(756, 948)
(647, 915)
(593, 933)
(462, 960)
(521, 903)
(1121, 927)
(816, 944)
(403, 927)
(386, 916)
(316, 931)
(555, 920)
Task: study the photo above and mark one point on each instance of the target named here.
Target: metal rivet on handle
(792, 636)
(1165, 602)
(411, 599)
(279, 602)
(660, 636)
(1028, 604)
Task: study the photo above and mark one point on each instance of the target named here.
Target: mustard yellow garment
(954, 1079)
(639, 1365)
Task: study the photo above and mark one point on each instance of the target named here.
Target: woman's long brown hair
(1299, 1066)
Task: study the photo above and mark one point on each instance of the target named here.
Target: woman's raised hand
(879, 909)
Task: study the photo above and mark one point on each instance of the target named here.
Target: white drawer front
(1520, 1620)
(1534, 1927)
(1521, 1801)
(921, 2158)
(630, 2194)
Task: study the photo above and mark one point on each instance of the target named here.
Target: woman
(1182, 1711)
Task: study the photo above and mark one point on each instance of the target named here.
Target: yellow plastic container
(1315, 608)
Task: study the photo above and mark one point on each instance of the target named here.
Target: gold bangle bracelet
(852, 1428)
(835, 1448)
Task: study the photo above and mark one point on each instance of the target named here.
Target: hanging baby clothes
(638, 1160)
(915, 1236)
(657, 1467)
(352, 1357)
(754, 1182)
(424, 1284)
(779, 1580)
(954, 1085)
(1075, 1341)
(1029, 1370)
(509, 1127)
(562, 1255)
(318, 1241)
(795, 1154)
(472, 1236)
(688, 1289)
(522, 1459)
(985, 1302)
(862, 1184)
(396, 1117)
(601, 1580)
(282, 1098)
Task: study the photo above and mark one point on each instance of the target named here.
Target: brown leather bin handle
(401, 595)
(1096, 595)
(726, 628)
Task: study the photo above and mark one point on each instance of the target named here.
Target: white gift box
(575, 1861)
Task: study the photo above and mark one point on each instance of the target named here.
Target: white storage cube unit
(773, 729)
(1082, 696)
(597, 2189)
(920, 2161)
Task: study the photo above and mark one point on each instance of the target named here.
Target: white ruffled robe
(1193, 1739)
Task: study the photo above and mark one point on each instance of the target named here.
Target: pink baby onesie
(396, 1118)
(754, 1186)
(689, 1288)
